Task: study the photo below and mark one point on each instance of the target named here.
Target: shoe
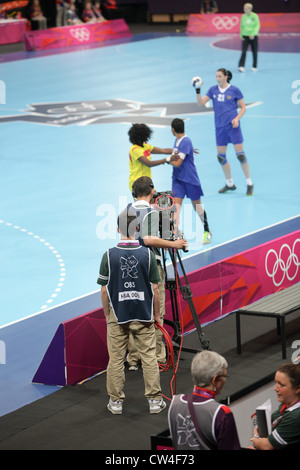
(156, 406)
(241, 69)
(250, 189)
(116, 407)
(207, 236)
(254, 69)
(133, 367)
(227, 188)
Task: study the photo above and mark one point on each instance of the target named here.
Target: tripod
(171, 285)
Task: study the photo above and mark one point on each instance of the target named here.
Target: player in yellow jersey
(140, 162)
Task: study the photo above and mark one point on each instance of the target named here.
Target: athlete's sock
(203, 218)
(205, 222)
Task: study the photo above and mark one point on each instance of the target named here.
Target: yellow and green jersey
(136, 168)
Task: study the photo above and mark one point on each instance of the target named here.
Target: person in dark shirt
(208, 6)
(285, 433)
(129, 278)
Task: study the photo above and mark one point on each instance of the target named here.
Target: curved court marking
(163, 59)
(55, 253)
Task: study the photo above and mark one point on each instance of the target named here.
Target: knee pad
(222, 158)
(241, 157)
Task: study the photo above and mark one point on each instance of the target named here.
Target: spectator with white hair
(196, 420)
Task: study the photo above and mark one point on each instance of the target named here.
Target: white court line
(185, 258)
(55, 253)
(270, 117)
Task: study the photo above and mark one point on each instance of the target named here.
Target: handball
(197, 82)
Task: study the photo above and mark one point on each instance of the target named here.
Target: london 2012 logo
(83, 113)
(284, 264)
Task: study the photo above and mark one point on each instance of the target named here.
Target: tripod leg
(187, 295)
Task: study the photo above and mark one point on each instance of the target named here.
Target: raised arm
(197, 83)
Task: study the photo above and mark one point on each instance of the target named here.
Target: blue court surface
(64, 167)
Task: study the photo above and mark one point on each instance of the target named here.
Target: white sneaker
(207, 236)
(116, 407)
(156, 406)
(241, 69)
(254, 69)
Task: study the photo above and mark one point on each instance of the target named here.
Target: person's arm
(177, 163)
(242, 106)
(225, 430)
(157, 242)
(156, 303)
(242, 27)
(262, 443)
(150, 231)
(159, 150)
(202, 100)
(256, 25)
(105, 301)
(154, 278)
(150, 163)
(197, 83)
(102, 280)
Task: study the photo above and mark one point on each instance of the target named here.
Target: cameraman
(148, 235)
(128, 275)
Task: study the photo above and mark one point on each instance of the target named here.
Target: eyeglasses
(225, 376)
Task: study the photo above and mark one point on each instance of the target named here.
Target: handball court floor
(64, 178)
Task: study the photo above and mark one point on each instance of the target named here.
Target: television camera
(166, 207)
(164, 203)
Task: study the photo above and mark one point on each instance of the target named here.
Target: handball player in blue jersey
(185, 179)
(229, 107)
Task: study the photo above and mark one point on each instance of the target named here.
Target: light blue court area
(64, 158)
(64, 155)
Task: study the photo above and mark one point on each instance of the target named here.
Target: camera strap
(195, 421)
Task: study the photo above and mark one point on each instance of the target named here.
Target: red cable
(169, 346)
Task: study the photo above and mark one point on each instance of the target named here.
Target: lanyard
(203, 392)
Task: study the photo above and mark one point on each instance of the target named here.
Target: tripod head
(166, 207)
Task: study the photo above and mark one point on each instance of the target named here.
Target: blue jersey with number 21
(224, 103)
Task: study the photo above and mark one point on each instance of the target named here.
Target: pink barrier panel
(206, 25)
(12, 31)
(78, 349)
(228, 285)
(69, 36)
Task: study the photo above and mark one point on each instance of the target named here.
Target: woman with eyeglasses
(196, 420)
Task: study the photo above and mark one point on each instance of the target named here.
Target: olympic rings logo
(284, 267)
(81, 34)
(225, 22)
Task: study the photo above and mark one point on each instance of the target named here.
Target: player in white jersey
(229, 107)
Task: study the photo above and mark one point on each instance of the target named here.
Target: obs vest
(129, 288)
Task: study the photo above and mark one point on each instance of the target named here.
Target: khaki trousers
(117, 344)
(133, 356)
